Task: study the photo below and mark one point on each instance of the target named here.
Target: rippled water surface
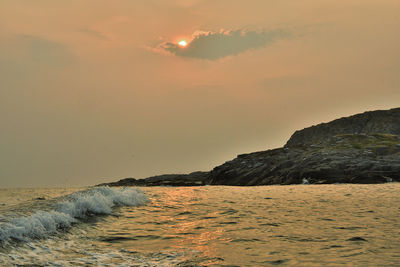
(302, 225)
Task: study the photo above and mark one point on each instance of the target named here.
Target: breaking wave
(79, 205)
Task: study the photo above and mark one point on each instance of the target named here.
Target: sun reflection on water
(257, 226)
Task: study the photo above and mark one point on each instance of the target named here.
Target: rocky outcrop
(379, 121)
(364, 148)
(350, 158)
(192, 179)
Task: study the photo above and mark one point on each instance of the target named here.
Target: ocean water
(299, 225)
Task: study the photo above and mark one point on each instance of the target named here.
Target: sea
(293, 225)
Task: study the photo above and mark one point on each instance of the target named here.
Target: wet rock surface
(364, 148)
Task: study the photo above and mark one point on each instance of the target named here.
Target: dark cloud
(215, 45)
(46, 51)
(30, 50)
(94, 33)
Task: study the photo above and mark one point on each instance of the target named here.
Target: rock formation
(191, 179)
(379, 121)
(364, 148)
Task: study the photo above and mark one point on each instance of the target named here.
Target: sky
(94, 91)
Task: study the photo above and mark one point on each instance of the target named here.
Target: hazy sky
(94, 91)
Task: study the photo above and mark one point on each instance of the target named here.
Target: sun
(182, 43)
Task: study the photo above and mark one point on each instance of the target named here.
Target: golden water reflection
(261, 226)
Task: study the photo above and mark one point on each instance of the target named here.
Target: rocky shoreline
(364, 148)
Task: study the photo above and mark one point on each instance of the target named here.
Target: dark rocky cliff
(379, 121)
(364, 148)
(349, 158)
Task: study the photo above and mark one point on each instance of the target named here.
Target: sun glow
(182, 43)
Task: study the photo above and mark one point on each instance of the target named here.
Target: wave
(79, 205)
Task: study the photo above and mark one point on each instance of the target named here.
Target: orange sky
(93, 91)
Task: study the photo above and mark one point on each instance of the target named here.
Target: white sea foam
(99, 200)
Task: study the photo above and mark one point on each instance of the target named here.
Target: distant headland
(363, 148)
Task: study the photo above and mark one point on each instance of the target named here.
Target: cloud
(215, 45)
(94, 33)
(34, 50)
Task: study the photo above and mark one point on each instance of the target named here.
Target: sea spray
(79, 205)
